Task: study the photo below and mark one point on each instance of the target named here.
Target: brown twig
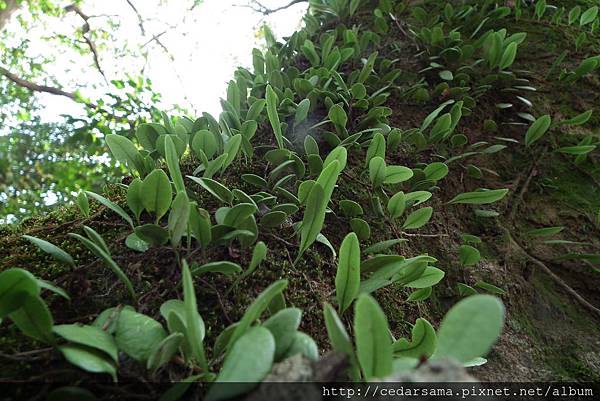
(280, 239)
(403, 233)
(156, 39)
(289, 256)
(85, 31)
(27, 355)
(354, 178)
(181, 362)
(153, 39)
(260, 8)
(139, 16)
(112, 317)
(33, 87)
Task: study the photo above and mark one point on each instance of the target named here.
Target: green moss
(421, 95)
(550, 335)
(572, 187)
(490, 125)
(570, 367)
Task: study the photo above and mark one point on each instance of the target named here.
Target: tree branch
(85, 30)
(139, 17)
(260, 8)
(156, 39)
(33, 87)
(43, 88)
(153, 38)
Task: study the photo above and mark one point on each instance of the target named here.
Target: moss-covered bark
(548, 335)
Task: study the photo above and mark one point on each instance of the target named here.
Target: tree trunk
(6, 12)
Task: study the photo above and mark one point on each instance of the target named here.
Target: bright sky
(207, 44)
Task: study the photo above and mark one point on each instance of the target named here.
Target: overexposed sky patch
(206, 43)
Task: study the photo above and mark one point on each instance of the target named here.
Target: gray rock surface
(306, 380)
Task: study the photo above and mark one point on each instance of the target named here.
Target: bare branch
(139, 16)
(43, 88)
(156, 39)
(85, 29)
(153, 38)
(260, 8)
(59, 92)
(104, 16)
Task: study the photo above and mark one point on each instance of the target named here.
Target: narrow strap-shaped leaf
(125, 151)
(34, 319)
(480, 197)
(339, 339)
(193, 325)
(173, 164)
(52, 249)
(537, 129)
(373, 342)
(272, 103)
(112, 206)
(108, 261)
(313, 218)
(217, 189)
(256, 308)
(347, 279)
